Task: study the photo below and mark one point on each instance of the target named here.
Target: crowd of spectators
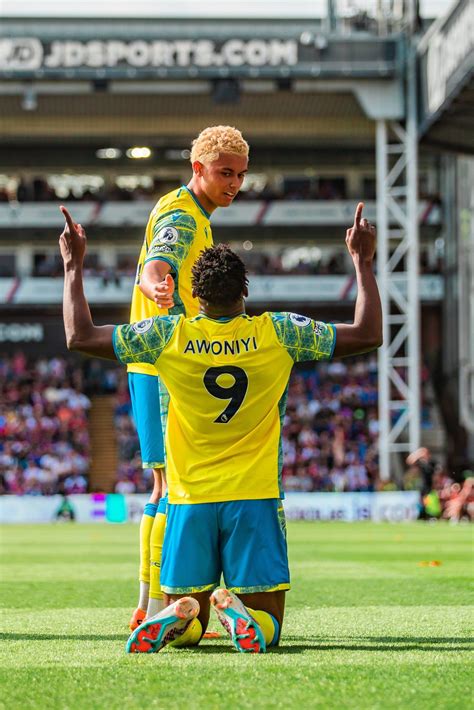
(329, 433)
(441, 495)
(138, 188)
(40, 189)
(274, 264)
(44, 434)
(131, 478)
(258, 261)
(330, 428)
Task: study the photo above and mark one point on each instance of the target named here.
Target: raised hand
(72, 241)
(361, 237)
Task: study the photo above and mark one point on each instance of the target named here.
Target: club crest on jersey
(142, 326)
(298, 320)
(168, 235)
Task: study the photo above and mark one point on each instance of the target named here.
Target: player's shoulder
(181, 199)
(158, 331)
(265, 321)
(176, 210)
(177, 200)
(289, 318)
(171, 319)
(153, 324)
(265, 317)
(286, 324)
(277, 318)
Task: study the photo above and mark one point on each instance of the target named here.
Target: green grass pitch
(367, 626)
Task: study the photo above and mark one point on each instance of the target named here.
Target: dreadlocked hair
(219, 276)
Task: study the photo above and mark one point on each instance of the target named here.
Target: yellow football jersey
(227, 381)
(177, 231)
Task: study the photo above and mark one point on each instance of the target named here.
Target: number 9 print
(236, 392)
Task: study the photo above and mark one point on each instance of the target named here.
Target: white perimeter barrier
(396, 506)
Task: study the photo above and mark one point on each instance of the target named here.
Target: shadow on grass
(286, 648)
(62, 637)
(290, 644)
(207, 648)
(386, 643)
(416, 639)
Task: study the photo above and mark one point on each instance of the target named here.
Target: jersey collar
(191, 193)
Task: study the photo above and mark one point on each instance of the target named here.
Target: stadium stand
(329, 432)
(45, 189)
(44, 429)
(317, 146)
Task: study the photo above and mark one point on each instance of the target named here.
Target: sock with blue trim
(155, 601)
(191, 636)
(146, 525)
(269, 625)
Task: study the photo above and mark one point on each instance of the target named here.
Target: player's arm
(172, 236)
(81, 333)
(157, 284)
(365, 333)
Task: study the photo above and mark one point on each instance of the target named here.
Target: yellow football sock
(146, 525)
(156, 547)
(191, 636)
(267, 623)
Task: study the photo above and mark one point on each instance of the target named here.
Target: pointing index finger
(358, 214)
(68, 218)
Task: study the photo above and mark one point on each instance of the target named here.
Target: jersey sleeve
(172, 235)
(304, 338)
(143, 341)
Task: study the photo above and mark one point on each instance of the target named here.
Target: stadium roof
(447, 76)
(207, 8)
(291, 117)
(82, 80)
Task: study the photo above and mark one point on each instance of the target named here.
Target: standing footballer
(177, 231)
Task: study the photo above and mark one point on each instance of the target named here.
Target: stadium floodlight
(139, 153)
(108, 153)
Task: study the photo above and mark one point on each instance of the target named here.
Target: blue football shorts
(145, 397)
(244, 540)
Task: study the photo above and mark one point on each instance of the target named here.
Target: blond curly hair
(215, 140)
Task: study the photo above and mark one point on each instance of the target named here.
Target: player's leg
(197, 629)
(190, 570)
(190, 562)
(204, 606)
(177, 625)
(253, 621)
(255, 563)
(155, 600)
(144, 394)
(268, 609)
(171, 624)
(147, 524)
